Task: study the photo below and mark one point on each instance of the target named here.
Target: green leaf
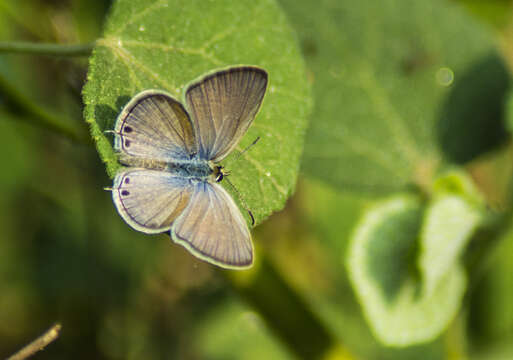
(391, 245)
(455, 211)
(449, 224)
(246, 336)
(381, 261)
(397, 88)
(502, 350)
(168, 43)
(473, 117)
(491, 303)
(494, 12)
(457, 182)
(509, 111)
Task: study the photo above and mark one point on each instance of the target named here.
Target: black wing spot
(127, 180)
(127, 129)
(125, 193)
(127, 143)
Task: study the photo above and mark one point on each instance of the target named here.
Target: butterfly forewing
(155, 126)
(150, 200)
(212, 228)
(222, 107)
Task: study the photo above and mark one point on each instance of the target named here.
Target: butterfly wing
(153, 125)
(150, 200)
(222, 107)
(212, 228)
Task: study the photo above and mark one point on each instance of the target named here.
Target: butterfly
(172, 153)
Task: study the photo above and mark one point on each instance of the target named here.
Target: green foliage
(509, 111)
(495, 12)
(398, 88)
(472, 119)
(380, 262)
(406, 93)
(397, 99)
(246, 337)
(495, 294)
(405, 260)
(137, 52)
(448, 226)
(451, 218)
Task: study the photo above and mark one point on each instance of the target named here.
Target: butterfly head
(219, 173)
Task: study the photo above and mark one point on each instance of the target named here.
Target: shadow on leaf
(106, 116)
(472, 118)
(392, 249)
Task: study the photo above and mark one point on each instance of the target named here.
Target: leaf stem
(38, 344)
(48, 49)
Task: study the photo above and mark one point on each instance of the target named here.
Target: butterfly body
(195, 168)
(199, 170)
(172, 154)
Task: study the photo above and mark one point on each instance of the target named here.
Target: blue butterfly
(172, 153)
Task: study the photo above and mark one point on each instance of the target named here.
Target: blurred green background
(66, 256)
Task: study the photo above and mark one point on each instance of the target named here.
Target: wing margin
(150, 200)
(212, 228)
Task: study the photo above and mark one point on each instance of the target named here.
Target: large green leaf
(381, 266)
(168, 43)
(398, 87)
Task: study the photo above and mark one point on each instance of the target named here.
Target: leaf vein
(393, 119)
(135, 83)
(117, 48)
(170, 48)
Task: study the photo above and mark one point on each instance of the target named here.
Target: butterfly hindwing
(150, 200)
(222, 106)
(213, 228)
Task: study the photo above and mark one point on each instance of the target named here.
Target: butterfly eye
(219, 177)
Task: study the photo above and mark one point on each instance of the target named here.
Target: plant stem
(48, 49)
(38, 344)
(20, 104)
(283, 309)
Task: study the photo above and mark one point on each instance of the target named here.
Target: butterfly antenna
(239, 155)
(241, 199)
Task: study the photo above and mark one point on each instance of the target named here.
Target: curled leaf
(386, 283)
